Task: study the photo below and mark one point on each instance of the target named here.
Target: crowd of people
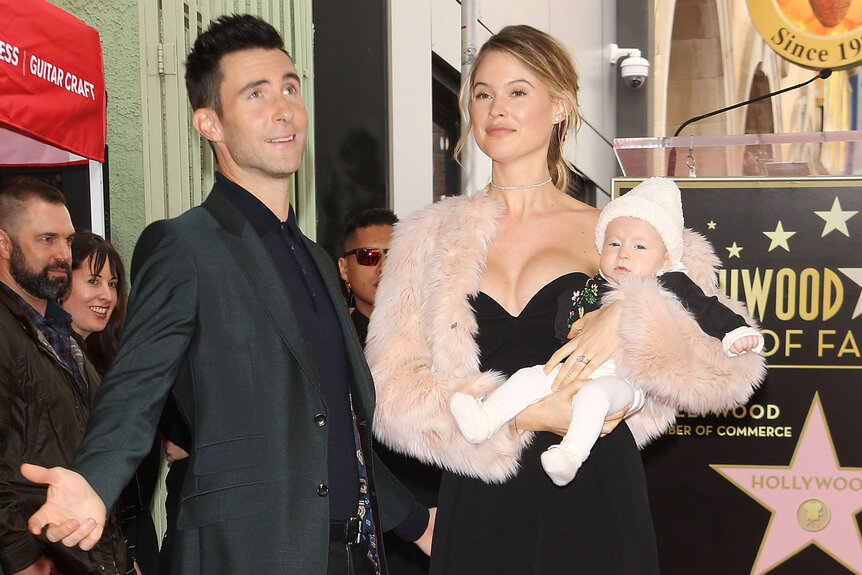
(420, 416)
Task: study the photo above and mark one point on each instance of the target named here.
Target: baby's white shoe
(562, 464)
(477, 421)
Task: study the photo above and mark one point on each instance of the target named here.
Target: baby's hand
(744, 344)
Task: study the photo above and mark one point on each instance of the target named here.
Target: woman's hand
(613, 420)
(593, 340)
(554, 413)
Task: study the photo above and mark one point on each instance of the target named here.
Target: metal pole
(468, 54)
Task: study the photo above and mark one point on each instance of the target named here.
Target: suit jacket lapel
(252, 258)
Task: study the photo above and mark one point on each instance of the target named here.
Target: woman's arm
(421, 344)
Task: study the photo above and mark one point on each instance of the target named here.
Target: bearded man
(46, 384)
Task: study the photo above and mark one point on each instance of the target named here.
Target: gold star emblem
(836, 219)
(733, 251)
(711, 224)
(779, 237)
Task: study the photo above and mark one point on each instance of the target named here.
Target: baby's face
(632, 246)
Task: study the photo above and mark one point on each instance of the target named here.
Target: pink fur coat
(421, 344)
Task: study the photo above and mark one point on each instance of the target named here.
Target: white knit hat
(655, 201)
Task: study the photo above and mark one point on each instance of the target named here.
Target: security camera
(634, 71)
(633, 68)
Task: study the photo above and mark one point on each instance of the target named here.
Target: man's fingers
(38, 521)
(73, 537)
(90, 540)
(56, 533)
(36, 473)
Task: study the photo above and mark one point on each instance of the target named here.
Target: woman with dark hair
(97, 304)
(97, 300)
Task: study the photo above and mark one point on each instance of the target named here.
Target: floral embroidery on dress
(583, 300)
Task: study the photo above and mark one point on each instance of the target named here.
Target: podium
(773, 486)
(748, 155)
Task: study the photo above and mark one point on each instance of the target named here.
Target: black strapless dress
(599, 524)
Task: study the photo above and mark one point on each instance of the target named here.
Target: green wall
(117, 23)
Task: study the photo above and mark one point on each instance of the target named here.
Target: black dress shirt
(360, 322)
(322, 332)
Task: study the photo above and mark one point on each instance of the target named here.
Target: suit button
(323, 490)
(319, 420)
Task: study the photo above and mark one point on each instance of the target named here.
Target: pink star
(814, 501)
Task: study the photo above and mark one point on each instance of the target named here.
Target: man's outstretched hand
(73, 511)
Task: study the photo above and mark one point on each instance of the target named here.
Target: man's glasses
(367, 256)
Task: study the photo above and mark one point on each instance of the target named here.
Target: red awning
(52, 84)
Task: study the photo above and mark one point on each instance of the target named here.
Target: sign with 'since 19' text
(811, 33)
(774, 486)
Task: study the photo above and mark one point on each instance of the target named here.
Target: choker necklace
(539, 185)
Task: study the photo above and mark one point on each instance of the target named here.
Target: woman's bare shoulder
(579, 231)
(579, 214)
(571, 204)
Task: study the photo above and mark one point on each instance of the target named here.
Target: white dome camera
(634, 71)
(633, 68)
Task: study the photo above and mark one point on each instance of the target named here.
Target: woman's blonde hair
(551, 63)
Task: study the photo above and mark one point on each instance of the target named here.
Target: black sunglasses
(367, 256)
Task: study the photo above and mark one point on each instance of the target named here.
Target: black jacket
(210, 322)
(42, 419)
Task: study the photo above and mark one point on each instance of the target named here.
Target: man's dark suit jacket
(211, 322)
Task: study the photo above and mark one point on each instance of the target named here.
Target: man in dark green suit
(239, 316)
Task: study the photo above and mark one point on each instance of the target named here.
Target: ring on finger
(583, 359)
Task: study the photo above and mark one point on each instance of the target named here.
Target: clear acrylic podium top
(749, 155)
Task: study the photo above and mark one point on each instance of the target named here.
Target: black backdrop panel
(774, 486)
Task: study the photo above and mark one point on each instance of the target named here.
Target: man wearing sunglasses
(366, 241)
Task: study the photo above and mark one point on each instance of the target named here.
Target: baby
(640, 233)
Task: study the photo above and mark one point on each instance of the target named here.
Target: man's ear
(206, 121)
(5, 245)
(342, 268)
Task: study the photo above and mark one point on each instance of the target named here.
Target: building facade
(380, 79)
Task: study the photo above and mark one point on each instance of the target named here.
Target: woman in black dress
(469, 295)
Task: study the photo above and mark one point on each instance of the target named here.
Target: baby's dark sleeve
(713, 317)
